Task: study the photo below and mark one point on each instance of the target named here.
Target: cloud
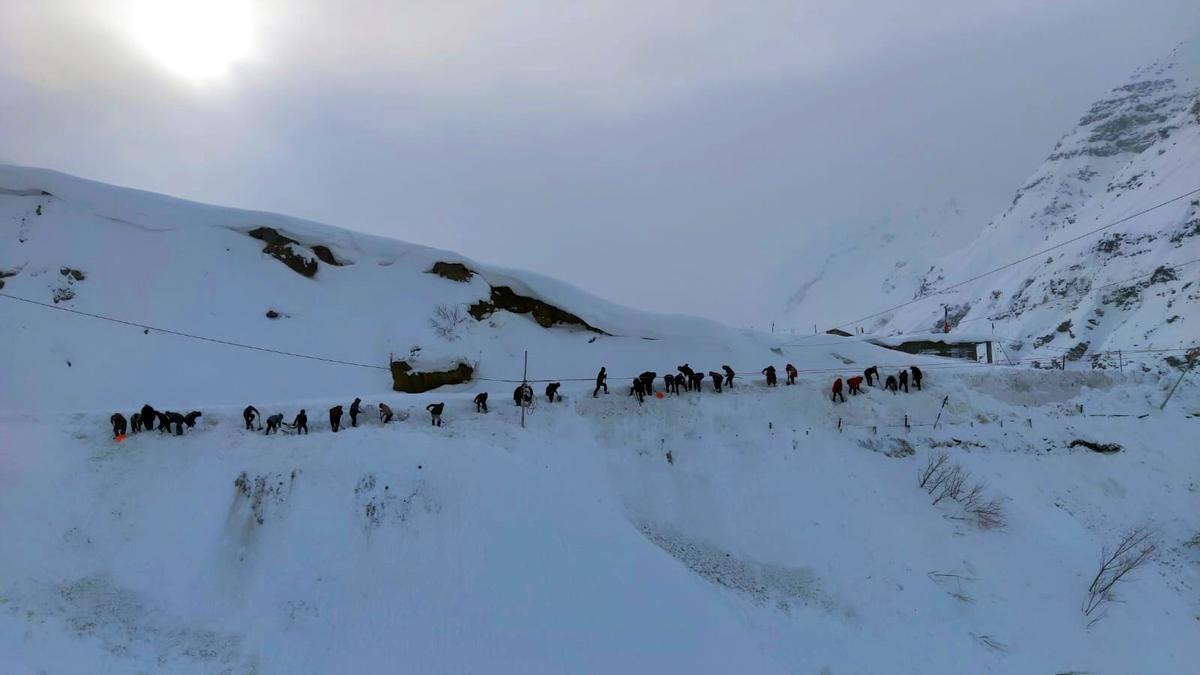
(660, 153)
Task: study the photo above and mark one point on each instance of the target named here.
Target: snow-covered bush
(446, 319)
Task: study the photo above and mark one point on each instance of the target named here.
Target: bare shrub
(932, 467)
(446, 319)
(952, 487)
(1135, 548)
(944, 480)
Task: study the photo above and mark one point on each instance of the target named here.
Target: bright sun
(195, 39)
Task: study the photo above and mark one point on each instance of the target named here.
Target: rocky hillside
(190, 278)
(1122, 287)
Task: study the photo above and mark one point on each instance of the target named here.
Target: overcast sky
(658, 153)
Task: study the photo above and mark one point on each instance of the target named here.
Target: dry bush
(1135, 548)
(446, 319)
(932, 467)
(943, 480)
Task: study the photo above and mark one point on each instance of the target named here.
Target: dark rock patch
(326, 256)
(279, 247)
(545, 314)
(299, 264)
(452, 271)
(271, 236)
(410, 381)
(77, 275)
(1102, 448)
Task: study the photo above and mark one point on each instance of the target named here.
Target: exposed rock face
(326, 256)
(545, 314)
(270, 235)
(452, 271)
(280, 247)
(407, 380)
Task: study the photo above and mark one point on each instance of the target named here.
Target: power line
(1086, 293)
(738, 373)
(228, 343)
(1026, 258)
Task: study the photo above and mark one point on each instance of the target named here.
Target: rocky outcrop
(410, 381)
(452, 271)
(545, 314)
(279, 247)
(326, 256)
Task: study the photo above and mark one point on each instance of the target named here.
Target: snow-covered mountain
(882, 261)
(758, 530)
(1131, 151)
(271, 281)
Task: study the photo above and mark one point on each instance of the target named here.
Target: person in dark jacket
(552, 391)
(118, 424)
(179, 420)
(135, 422)
(837, 391)
(481, 402)
(916, 377)
(190, 418)
(772, 379)
(791, 373)
(728, 376)
(648, 382)
(164, 421)
(890, 384)
(717, 379)
(638, 389)
(871, 374)
(670, 383)
(435, 413)
(689, 376)
(335, 418)
(385, 413)
(148, 416)
(273, 423)
(523, 395)
(248, 415)
(697, 380)
(300, 424)
(355, 409)
(601, 382)
(904, 380)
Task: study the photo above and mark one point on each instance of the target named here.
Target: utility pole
(1191, 359)
(524, 383)
(946, 318)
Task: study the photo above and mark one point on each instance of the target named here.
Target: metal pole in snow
(939, 415)
(1191, 363)
(524, 383)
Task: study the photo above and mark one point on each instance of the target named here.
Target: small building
(940, 344)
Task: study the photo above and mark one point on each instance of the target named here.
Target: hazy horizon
(668, 156)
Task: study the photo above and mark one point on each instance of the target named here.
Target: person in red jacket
(791, 373)
(855, 383)
(837, 390)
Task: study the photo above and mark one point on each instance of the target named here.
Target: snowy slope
(882, 262)
(759, 530)
(1133, 150)
(768, 542)
(192, 268)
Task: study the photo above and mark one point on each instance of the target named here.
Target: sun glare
(194, 39)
